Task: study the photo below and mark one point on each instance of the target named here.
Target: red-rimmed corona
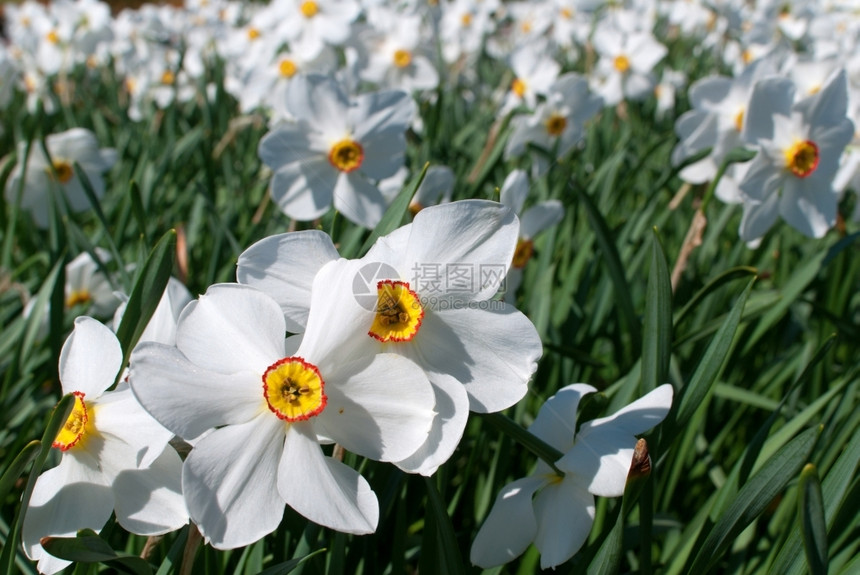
(76, 427)
(398, 312)
(294, 389)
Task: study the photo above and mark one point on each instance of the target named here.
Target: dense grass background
(760, 344)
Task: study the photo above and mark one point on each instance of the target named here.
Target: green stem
(528, 440)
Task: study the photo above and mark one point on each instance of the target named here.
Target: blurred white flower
(800, 146)
(44, 177)
(336, 150)
(556, 512)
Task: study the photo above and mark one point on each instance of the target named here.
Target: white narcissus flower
(559, 122)
(800, 146)
(115, 457)
(336, 150)
(426, 291)
(533, 221)
(535, 72)
(556, 512)
(42, 176)
(230, 371)
(627, 59)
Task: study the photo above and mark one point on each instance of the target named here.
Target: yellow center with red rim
(402, 58)
(398, 312)
(801, 158)
(346, 155)
(294, 389)
(63, 171)
(77, 425)
(523, 253)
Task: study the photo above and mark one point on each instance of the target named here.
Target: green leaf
(834, 487)
(657, 330)
(721, 279)
(287, 566)
(694, 393)
(137, 209)
(753, 498)
(440, 553)
(616, 270)
(800, 279)
(146, 293)
(16, 468)
(58, 419)
(88, 547)
(812, 521)
(395, 213)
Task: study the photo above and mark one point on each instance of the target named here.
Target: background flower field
(644, 280)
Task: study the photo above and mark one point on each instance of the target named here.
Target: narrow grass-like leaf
(834, 487)
(657, 329)
(40, 309)
(288, 566)
(146, 293)
(440, 553)
(137, 210)
(174, 555)
(394, 214)
(721, 279)
(616, 270)
(812, 522)
(800, 279)
(58, 418)
(16, 468)
(693, 394)
(525, 438)
(88, 547)
(753, 498)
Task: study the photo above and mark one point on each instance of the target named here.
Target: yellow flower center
(813, 90)
(63, 171)
(253, 34)
(739, 120)
(526, 26)
(346, 155)
(398, 312)
(523, 253)
(556, 124)
(802, 158)
(287, 68)
(168, 78)
(566, 13)
(52, 37)
(309, 9)
(76, 427)
(747, 56)
(621, 63)
(466, 20)
(294, 389)
(78, 297)
(518, 87)
(402, 58)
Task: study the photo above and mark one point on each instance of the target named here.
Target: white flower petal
(232, 328)
(810, 209)
(230, 482)
(565, 514)
(514, 191)
(388, 112)
(540, 217)
(640, 415)
(149, 501)
(770, 96)
(66, 498)
(189, 399)
(283, 266)
(452, 413)
(510, 526)
(303, 190)
(758, 218)
(118, 415)
(90, 359)
(556, 421)
(358, 200)
(322, 489)
(473, 234)
(492, 352)
(381, 408)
